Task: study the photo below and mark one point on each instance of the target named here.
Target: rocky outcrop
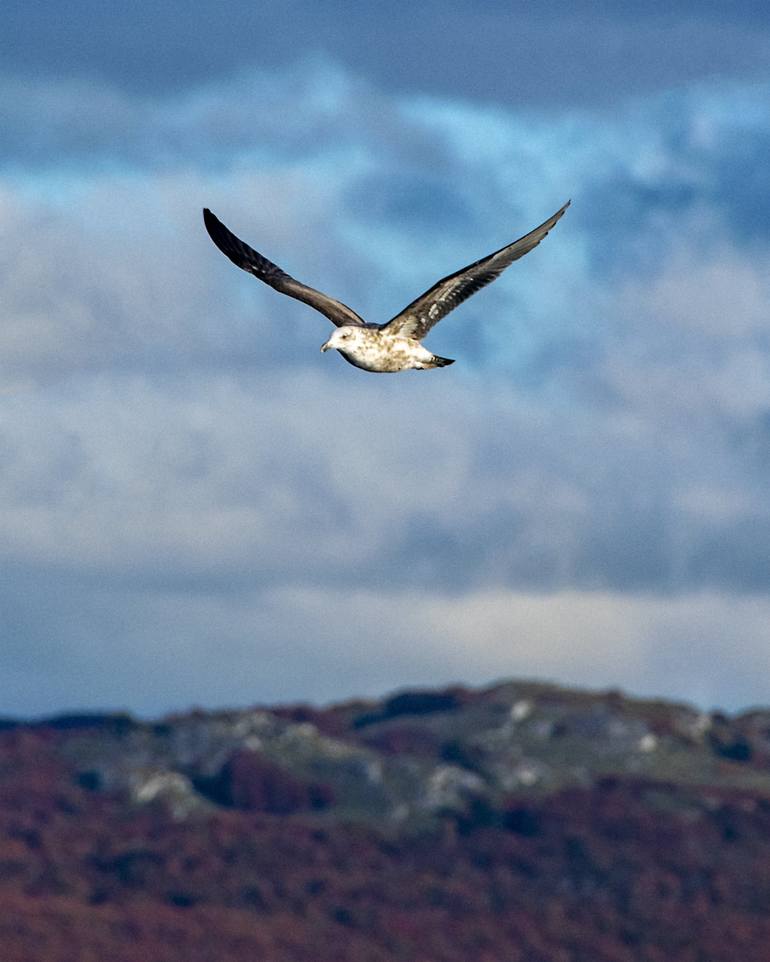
(414, 753)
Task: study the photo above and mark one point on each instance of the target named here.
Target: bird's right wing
(249, 260)
(419, 317)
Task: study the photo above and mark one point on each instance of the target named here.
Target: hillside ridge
(518, 821)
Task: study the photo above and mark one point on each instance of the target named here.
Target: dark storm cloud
(551, 53)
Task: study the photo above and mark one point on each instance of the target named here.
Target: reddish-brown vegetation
(623, 870)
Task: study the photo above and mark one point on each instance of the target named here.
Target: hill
(518, 822)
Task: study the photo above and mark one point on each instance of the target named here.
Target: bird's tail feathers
(437, 361)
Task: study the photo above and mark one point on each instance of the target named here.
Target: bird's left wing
(420, 316)
(252, 261)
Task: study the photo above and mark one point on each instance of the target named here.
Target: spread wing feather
(250, 260)
(419, 317)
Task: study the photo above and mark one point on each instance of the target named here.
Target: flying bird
(395, 345)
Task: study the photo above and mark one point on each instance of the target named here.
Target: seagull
(395, 345)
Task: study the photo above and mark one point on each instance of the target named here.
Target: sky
(198, 508)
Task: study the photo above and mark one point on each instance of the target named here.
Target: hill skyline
(521, 821)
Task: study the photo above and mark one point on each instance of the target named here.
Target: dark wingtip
(213, 226)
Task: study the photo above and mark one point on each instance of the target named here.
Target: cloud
(207, 481)
(164, 650)
(183, 473)
(583, 53)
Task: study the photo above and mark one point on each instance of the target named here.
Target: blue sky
(200, 508)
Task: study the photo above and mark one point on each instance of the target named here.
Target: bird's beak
(325, 347)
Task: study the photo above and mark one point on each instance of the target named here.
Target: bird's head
(341, 338)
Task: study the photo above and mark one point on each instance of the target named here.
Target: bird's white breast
(373, 350)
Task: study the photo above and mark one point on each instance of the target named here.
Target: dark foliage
(119, 724)
(414, 703)
(252, 783)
